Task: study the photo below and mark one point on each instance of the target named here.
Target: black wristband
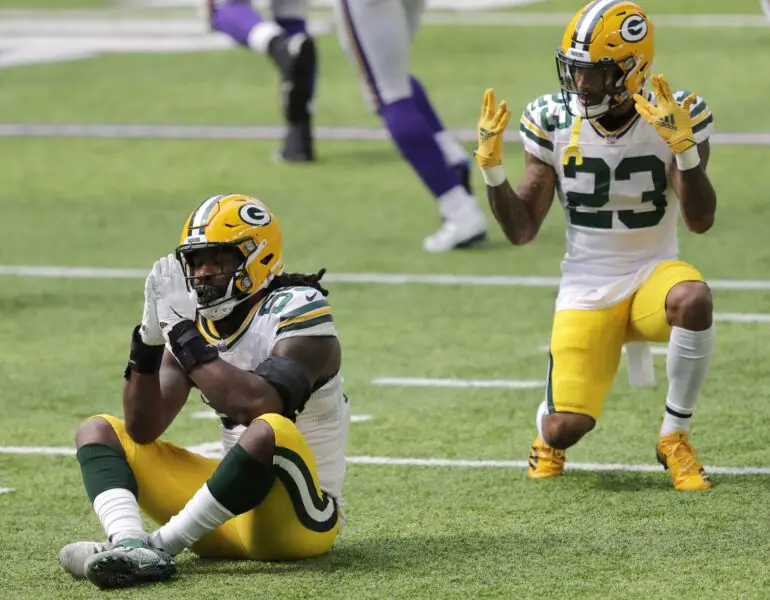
(189, 346)
(143, 358)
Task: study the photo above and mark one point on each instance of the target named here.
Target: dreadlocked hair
(298, 279)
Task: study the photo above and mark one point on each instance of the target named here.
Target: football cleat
(462, 230)
(73, 556)
(677, 455)
(545, 461)
(129, 562)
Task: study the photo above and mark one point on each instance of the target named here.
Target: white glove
(150, 330)
(173, 301)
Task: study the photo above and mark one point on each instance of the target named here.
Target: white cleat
(461, 231)
(73, 556)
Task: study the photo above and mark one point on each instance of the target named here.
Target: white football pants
(376, 36)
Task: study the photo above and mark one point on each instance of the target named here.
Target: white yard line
(49, 271)
(470, 15)
(742, 317)
(5, 490)
(523, 464)
(37, 450)
(265, 132)
(213, 449)
(516, 384)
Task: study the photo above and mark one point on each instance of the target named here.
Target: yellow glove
(670, 120)
(489, 152)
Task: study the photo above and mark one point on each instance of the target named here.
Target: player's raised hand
(670, 119)
(492, 123)
(150, 330)
(174, 302)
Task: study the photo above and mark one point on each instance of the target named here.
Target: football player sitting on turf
(624, 162)
(262, 349)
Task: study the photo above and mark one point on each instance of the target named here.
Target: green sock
(104, 468)
(241, 482)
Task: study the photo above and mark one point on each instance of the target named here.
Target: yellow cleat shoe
(544, 461)
(675, 453)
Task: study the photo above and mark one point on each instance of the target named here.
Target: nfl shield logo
(611, 139)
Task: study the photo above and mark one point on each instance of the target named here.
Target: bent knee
(562, 430)
(259, 440)
(689, 305)
(97, 430)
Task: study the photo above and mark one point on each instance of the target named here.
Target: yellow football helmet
(240, 224)
(611, 41)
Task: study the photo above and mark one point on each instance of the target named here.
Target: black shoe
(298, 143)
(295, 57)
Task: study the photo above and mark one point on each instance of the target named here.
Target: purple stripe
(359, 51)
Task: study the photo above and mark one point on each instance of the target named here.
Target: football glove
(150, 330)
(670, 120)
(174, 302)
(492, 123)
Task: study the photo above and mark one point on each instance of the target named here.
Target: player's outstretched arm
(520, 213)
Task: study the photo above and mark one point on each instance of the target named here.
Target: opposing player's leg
(455, 155)
(286, 41)
(265, 490)
(376, 35)
(296, 56)
(585, 352)
(675, 304)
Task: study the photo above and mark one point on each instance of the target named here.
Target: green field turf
(238, 87)
(412, 532)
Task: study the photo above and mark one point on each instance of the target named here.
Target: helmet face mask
(590, 89)
(230, 250)
(604, 58)
(211, 272)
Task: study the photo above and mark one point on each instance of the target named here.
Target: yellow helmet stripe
(584, 28)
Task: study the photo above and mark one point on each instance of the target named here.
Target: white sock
(118, 511)
(453, 151)
(203, 513)
(455, 202)
(689, 356)
(542, 410)
(262, 34)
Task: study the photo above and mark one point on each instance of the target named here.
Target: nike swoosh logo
(309, 297)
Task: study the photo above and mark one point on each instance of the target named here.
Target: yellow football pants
(586, 344)
(296, 520)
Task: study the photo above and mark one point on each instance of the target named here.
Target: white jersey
(324, 422)
(620, 207)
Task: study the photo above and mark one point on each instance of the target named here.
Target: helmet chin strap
(224, 306)
(590, 112)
